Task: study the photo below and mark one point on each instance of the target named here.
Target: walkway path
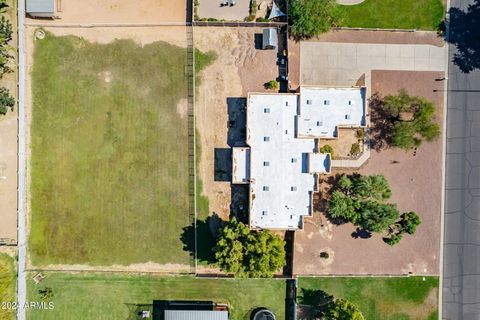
(22, 236)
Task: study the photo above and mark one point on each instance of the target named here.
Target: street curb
(444, 157)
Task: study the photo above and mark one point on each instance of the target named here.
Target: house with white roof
(282, 162)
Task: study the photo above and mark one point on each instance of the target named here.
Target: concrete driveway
(343, 64)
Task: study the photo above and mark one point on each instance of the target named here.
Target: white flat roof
(240, 165)
(323, 109)
(196, 315)
(280, 185)
(319, 163)
(283, 162)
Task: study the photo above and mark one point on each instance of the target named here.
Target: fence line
(237, 24)
(375, 29)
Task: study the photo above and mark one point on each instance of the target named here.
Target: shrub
(272, 85)
(6, 101)
(355, 149)
(327, 149)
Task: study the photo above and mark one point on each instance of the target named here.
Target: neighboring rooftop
(45, 7)
(195, 315)
(283, 165)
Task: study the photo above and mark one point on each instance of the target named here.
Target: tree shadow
(464, 33)
(317, 299)
(381, 130)
(362, 234)
(207, 232)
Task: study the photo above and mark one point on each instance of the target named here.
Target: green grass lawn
(106, 296)
(399, 14)
(8, 286)
(109, 163)
(399, 298)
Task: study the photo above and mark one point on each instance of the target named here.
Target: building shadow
(464, 33)
(206, 232)
(237, 121)
(239, 202)
(258, 41)
(223, 164)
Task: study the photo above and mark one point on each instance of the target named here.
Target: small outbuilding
(270, 39)
(41, 8)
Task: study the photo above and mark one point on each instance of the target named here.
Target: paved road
(461, 274)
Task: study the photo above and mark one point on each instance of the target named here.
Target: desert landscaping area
(238, 68)
(117, 13)
(415, 181)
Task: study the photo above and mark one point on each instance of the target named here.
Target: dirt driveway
(415, 181)
(118, 12)
(239, 68)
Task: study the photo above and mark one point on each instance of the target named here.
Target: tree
(327, 149)
(272, 85)
(393, 239)
(248, 253)
(372, 187)
(343, 310)
(309, 18)
(412, 118)
(341, 206)
(6, 101)
(377, 217)
(409, 222)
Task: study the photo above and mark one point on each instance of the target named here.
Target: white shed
(270, 39)
(41, 8)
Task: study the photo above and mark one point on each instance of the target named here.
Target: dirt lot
(416, 186)
(118, 12)
(238, 69)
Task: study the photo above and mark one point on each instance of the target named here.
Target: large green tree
(412, 119)
(376, 216)
(343, 310)
(248, 253)
(309, 18)
(357, 199)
